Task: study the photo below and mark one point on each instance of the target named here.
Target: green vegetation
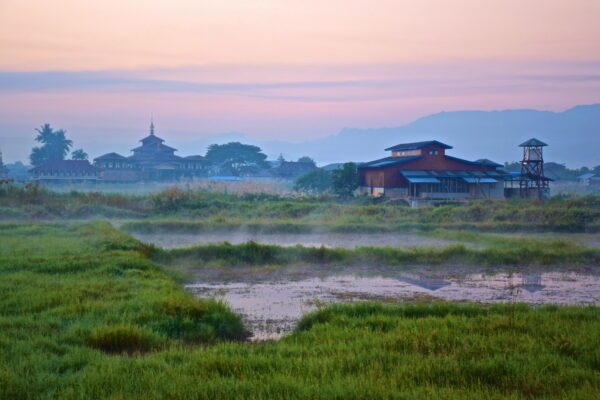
(79, 154)
(235, 158)
(84, 314)
(72, 294)
(202, 210)
(314, 182)
(344, 181)
(54, 145)
(510, 252)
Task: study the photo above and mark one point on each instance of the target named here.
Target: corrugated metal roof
(416, 174)
(480, 180)
(110, 156)
(533, 142)
(66, 166)
(485, 161)
(587, 176)
(417, 145)
(384, 162)
(477, 175)
(423, 180)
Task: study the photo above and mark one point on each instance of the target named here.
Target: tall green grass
(84, 314)
(526, 252)
(198, 210)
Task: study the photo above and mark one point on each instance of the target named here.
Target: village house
(66, 171)
(152, 161)
(422, 171)
(590, 180)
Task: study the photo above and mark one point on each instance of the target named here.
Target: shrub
(124, 339)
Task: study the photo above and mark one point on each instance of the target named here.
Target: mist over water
(329, 240)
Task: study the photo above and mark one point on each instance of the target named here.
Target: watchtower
(532, 179)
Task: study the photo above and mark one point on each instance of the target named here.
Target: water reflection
(426, 282)
(273, 300)
(532, 283)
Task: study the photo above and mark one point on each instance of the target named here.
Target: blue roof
(423, 180)
(486, 164)
(417, 145)
(533, 142)
(224, 178)
(476, 176)
(587, 176)
(485, 161)
(384, 162)
(480, 180)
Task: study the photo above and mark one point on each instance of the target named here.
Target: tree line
(54, 146)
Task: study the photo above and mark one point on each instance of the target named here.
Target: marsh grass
(85, 315)
(500, 252)
(124, 339)
(192, 210)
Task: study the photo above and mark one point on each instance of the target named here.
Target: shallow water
(345, 240)
(272, 301)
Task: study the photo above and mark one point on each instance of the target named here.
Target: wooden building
(152, 161)
(590, 180)
(423, 171)
(66, 171)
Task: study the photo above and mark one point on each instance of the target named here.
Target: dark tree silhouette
(54, 145)
(236, 158)
(79, 154)
(345, 180)
(307, 159)
(315, 181)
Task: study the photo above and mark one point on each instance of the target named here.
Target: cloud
(66, 80)
(334, 83)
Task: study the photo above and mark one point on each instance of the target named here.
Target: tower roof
(533, 142)
(151, 138)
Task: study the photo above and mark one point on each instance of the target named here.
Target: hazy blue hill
(573, 137)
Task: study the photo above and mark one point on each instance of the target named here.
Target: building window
(433, 152)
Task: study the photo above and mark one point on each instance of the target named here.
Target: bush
(124, 339)
(316, 181)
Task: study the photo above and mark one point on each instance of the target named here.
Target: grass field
(500, 252)
(192, 211)
(84, 314)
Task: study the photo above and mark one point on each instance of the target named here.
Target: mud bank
(272, 301)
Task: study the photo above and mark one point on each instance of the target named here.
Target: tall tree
(307, 159)
(315, 181)
(79, 154)
(236, 158)
(345, 180)
(54, 145)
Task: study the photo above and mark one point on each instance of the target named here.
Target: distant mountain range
(573, 137)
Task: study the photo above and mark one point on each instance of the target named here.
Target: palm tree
(55, 145)
(79, 155)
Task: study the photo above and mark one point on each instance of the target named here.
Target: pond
(273, 300)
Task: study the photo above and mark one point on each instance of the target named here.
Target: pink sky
(287, 70)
